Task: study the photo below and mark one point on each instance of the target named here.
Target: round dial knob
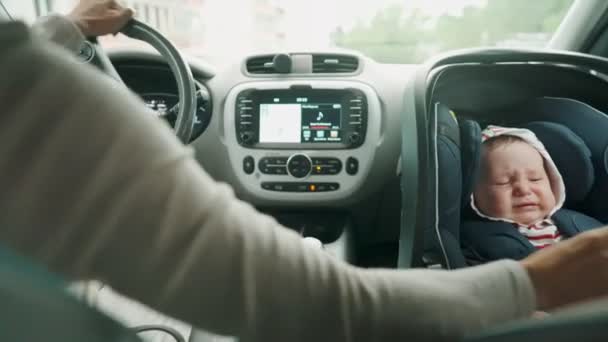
(247, 137)
(299, 165)
(354, 137)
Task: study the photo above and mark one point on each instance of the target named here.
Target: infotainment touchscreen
(300, 122)
(301, 118)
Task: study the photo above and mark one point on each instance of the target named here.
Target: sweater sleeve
(60, 30)
(94, 186)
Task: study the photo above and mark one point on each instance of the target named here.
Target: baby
(519, 184)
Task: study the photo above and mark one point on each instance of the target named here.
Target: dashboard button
(333, 186)
(246, 137)
(301, 187)
(322, 187)
(332, 171)
(280, 161)
(273, 170)
(317, 161)
(334, 162)
(354, 138)
(326, 166)
(248, 165)
(299, 165)
(273, 166)
(352, 166)
(279, 170)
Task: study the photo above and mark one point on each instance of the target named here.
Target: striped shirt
(541, 234)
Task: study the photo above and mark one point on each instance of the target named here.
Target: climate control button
(273, 166)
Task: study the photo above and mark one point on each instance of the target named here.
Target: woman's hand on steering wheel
(100, 17)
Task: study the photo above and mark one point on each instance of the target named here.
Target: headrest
(571, 156)
(591, 126)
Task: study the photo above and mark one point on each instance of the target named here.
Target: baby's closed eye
(501, 182)
(535, 177)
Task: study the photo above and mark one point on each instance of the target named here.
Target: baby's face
(514, 184)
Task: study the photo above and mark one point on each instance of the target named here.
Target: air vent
(261, 65)
(334, 63)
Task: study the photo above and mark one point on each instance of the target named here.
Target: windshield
(389, 31)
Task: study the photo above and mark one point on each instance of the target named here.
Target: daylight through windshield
(389, 31)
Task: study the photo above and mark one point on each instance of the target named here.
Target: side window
(60, 6)
(599, 47)
(26, 10)
(29, 10)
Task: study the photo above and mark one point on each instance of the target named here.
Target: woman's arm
(60, 30)
(94, 186)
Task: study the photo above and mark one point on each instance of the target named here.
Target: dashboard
(155, 85)
(165, 107)
(304, 140)
(322, 140)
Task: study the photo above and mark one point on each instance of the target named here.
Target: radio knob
(354, 137)
(247, 137)
(299, 165)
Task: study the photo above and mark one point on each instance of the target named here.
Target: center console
(302, 140)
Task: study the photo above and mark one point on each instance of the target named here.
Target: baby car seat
(484, 240)
(460, 238)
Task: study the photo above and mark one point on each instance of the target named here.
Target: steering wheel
(181, 70)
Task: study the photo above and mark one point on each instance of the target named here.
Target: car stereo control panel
(302, 141)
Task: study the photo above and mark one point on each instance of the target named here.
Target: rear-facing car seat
(460, 238)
